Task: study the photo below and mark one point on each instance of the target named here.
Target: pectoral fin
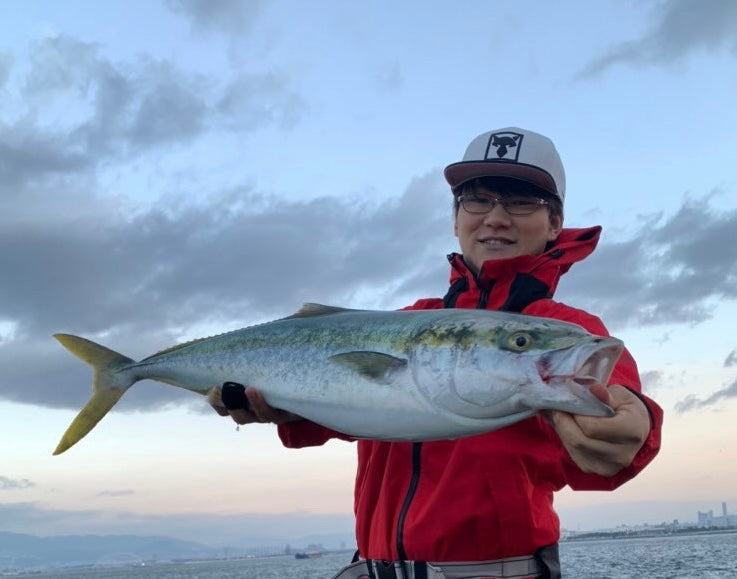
(372, 365)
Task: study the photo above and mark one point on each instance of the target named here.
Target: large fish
(387, 375)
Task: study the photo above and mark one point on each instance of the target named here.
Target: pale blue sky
(171, 169)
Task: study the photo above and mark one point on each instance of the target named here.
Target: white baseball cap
(511, 152)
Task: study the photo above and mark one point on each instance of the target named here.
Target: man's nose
(497, 215)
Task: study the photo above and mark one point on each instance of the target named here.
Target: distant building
(707, 519)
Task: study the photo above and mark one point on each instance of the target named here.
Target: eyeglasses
(512, 204)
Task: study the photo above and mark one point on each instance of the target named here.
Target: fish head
(530, 364)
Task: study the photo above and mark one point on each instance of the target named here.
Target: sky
(175, 169)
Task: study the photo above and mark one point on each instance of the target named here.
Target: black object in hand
(234, 396)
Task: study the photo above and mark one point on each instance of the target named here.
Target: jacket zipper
(416, 451)
(484, 295)
(416, 455)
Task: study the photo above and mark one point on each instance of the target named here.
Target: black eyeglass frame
(535, 204)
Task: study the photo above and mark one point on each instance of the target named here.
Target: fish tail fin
(107, 386)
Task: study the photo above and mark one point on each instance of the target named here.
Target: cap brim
(458, 173)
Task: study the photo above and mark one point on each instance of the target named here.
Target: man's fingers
(602, 393)
(265, 413)
(261, 410)
(230, 400)
(243, 416)
(604, 445)
(630, 424)
(214, 399)
(591, 456)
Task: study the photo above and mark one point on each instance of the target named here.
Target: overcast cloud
(670, 271)
(78, 110)
(651, 380)
(7, 484)
(679, 28)
(230, 17)
(693, 403)
(731, 359)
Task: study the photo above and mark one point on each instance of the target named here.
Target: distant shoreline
(644, 533)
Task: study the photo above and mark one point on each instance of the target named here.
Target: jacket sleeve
(302, 433)
(626, 374)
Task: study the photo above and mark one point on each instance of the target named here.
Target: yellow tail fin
(108, 385)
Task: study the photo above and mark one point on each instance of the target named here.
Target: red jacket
(487, 496)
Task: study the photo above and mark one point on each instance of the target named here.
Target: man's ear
(556, 225)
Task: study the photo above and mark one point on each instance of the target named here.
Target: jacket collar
(571, 246)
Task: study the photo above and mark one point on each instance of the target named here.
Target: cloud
(77, 109)
(219, 256)
(7, 484)
(70, 255)
(141, 280)
(231, 17)
(651, 380)
(731, 359)
(672, 270)
(692, 403)
(252, 101)
(680, 28)
(170, 109)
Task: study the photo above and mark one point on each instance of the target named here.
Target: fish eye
(519, 341)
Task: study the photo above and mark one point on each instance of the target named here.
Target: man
(487, 501)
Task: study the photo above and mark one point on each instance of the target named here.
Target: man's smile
(495, 241)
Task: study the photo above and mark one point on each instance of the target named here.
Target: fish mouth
(598, 367)
(576, 370)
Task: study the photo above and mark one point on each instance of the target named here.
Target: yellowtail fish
(385, 375)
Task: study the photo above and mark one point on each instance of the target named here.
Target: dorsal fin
(309, 310)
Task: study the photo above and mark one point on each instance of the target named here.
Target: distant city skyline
(694, 513)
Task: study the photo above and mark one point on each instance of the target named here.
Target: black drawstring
(457, 288)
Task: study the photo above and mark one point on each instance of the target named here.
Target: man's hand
(604, 446)
(257, 409)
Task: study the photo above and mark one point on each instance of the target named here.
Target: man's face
(499, 235)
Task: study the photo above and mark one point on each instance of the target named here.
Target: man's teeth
(496, 242)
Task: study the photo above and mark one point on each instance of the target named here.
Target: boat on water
(308, 555)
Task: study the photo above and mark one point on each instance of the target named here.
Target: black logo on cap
(504, 147)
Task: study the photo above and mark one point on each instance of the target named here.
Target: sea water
(708, 556)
